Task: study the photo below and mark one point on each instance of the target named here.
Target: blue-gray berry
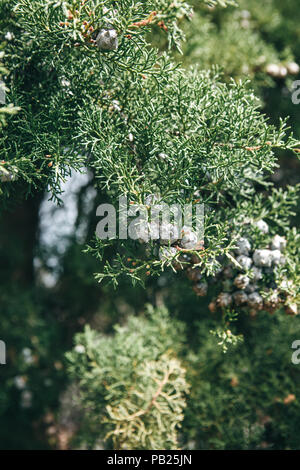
(107, 39)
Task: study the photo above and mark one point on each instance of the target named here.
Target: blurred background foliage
(247, 398)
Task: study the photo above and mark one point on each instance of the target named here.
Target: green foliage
(246, 398)
(239, 50)
(42, 145)
(34, 371)
(244, 40)
(132, 385)
(143, 123)
(205, 149)
(60, 23)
